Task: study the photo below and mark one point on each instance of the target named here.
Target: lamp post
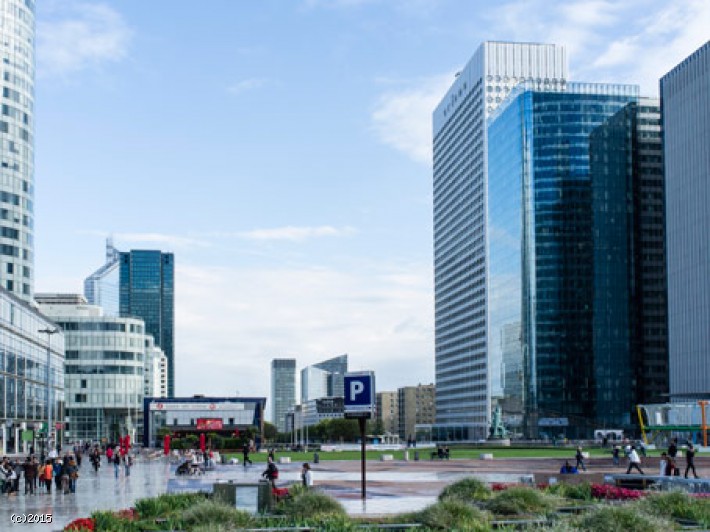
(49, 332)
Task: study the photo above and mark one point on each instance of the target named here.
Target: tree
(375, 427)
(270, 431)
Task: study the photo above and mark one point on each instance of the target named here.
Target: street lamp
(49, 332)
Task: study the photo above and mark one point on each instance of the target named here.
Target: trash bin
(416, 456)
(316, 458)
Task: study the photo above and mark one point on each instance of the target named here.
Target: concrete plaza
(392, 486)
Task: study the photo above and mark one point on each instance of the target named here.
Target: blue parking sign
(359, 394)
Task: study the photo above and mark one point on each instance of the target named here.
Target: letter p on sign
(356, 388)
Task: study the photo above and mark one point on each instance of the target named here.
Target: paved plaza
(392, 486)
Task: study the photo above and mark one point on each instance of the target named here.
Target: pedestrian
(109, 454)
(690, 461)
(116, 464)
(307, 476)
(57, 467)
(30, 472)
(663, 464)
(272, 454)
(580, 459)
(271, 473)
(673, 448)
(65, 476)
(73, 472)
(128, 463)
(47, 474)
(245, 454)
(37, 467)
(615, 455)
(634, 461)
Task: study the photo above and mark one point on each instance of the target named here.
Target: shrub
(467, 489)
(81, 524)
(620, 519)
(208, 512)
(166, 504)
(520, 501)
(307, 504)
(107, 521)
(453, 514)
(678, 505)
(580, 492)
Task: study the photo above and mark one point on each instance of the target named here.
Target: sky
(282, 150)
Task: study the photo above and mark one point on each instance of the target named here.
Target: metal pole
(361, 421)
(49, 332)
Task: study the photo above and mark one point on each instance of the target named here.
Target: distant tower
(147, 291)
(17, 148)
(101, 287)
(283, 390)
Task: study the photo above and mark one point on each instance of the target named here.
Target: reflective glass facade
(283, 390)
(147, 284)
(559, 263)
(101, 287)
(23, 371)
(17, 148)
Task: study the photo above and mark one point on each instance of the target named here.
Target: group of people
(118, 456)
(39, 475)
(667, 464)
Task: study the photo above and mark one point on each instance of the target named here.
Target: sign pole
(362, 421)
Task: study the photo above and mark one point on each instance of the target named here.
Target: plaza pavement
(393, 487)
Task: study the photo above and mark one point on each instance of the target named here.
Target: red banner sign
(209, 424)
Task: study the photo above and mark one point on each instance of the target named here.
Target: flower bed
(614, 493)
(83, 523)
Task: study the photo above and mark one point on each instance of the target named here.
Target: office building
(283, 390)
(101, 287)
(388, 411)
(17, 184)
(317, 410)
(324, 379)
(24, 352)
(146, 291)
(156, 370)
(685, 100)
(627, 172)
(105, 359)
(416, 406)
(560, 239)
(466, 377)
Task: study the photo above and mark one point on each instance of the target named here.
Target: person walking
(634, 461)
(580, 459)
(673, 448)
(29, 469)
(73, 471)
(663, 465)
(128, 463)
(307, 476)
(57, 467)
(690, 461)
(47, 474)
(615, 455)
(116, 464)
(245, 454)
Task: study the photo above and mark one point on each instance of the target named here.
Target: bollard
(416, 456)
(316, 458)
(406, 456)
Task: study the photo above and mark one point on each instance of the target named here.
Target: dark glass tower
(147, 291)
(559, 262)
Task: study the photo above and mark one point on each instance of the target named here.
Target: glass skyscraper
(146, 290)
(283, 390)
(466, 373)
(559, 261)
(17, 148)
(101, 287)
(685, 97)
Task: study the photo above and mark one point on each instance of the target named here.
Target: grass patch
(677, 505)
(211, 512)
(167, 504)
(521, 501)
(628, 518)
(467, 489)
(306, 504)
(577, 492)
(452, 514)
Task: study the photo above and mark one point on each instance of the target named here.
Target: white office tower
(466, 373)
(685, 102)
(17, 28)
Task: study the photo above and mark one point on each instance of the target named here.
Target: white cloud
(246, 85)
(164, 239)
(294, 234)
(402, 118)
(80, 35)
(232, 321)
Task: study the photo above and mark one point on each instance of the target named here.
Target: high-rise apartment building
(416, 407)
(101, 288)
(388, 411)
(560, 255)
(104, 370)
(17, 148)
(283, 390)
(466, 374)
(147, 291)
(685, 100)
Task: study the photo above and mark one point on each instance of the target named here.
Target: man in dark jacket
(271, 473)
(29, 469)
(690, 460)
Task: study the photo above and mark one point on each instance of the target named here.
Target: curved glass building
(17, 29)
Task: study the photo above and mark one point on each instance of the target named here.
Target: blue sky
(282, 150)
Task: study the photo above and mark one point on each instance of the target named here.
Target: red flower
(608, 492)
(83, 523)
